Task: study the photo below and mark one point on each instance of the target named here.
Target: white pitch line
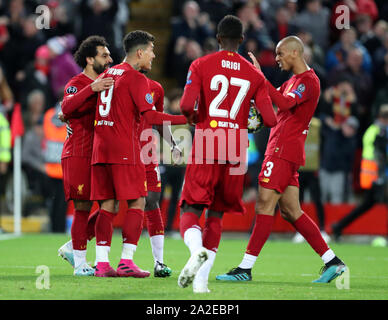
(9, 236)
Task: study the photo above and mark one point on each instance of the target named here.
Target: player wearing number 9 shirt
(223, 83)
(296, 100)
(117, 170)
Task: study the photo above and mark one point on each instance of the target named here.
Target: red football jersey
(78, 106)
(157, 93)
(287, 138)
(224, 83)
(118, 115)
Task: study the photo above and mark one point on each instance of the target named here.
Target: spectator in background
(356, 8)
(366, 34)
(25, 38)
(361, 82)
(62, 64)
(172, 175)
(256, 37)
(36, 104)
(315, 19)
(186, 51)
(281, 26)
(382, 93)
(373, 175)
(36, 77)
(6, 95)
(318, 55)
(338, 53)
(380, 60)
(54, 133)
(5, 152)
(32, 158)
(216, 9)
(292, 7)
(339, 146)
(97, 17)
(192, 25)
(319, 70)
(60, 21)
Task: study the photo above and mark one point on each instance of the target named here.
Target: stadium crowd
(351, 62)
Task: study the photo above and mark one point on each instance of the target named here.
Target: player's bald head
(292, 44)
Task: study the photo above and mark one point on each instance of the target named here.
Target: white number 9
(106, 98)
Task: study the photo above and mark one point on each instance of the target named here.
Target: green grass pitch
(283, 271)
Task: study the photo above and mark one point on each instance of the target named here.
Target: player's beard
(99, 68)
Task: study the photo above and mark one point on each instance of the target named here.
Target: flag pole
(17, 181)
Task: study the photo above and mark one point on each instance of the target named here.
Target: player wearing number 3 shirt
(223, 83)
(117, 170)
(296, 100)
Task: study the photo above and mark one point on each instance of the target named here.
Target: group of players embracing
(107, 109)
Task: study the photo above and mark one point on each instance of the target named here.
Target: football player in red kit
(296, 100)
(154, 220)
(223, 83)
(78, 107)
(117, 170)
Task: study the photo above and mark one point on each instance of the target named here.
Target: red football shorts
(277, 174)
(118, 181)
(154, 182)
(76, 178)
(213, 186)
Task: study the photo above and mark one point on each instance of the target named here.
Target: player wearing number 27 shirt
(223, 84)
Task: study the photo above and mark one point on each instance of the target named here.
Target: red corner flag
(17, 126)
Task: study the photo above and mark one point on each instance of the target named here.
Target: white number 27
(214, 110)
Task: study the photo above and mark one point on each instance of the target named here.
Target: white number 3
(268, 171)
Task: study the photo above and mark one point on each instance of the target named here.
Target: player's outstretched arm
(158, 118)
(264, 106)
(281, 101)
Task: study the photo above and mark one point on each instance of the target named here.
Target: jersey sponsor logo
(71, 90)
(224, 124)
(213, 123)
(266, 180)
(149, 98)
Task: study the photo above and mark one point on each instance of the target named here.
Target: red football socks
(260, 233)
(91, 228)
(154, 222)
(310, 231)
(132, 226)
(78, 229)
(211, 235)
(188, 220)
(104, 228)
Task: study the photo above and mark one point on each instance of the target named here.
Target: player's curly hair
(136, 38)
(230, 27)
(88, 48)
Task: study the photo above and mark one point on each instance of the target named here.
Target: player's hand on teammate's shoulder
(101, 84)
(254, 60)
